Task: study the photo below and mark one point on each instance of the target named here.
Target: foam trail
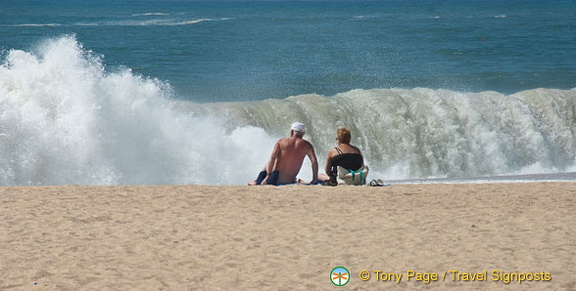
(65, 120)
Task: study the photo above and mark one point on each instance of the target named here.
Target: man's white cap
(298, 126)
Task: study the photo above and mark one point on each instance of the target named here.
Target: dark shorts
(272, 179)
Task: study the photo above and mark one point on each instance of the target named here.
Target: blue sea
(121, 92)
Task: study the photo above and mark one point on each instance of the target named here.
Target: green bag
(349, 177)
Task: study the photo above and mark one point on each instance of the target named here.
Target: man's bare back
(287, 158)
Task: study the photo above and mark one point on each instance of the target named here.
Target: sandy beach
(289, 238)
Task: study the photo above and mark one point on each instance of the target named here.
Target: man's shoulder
(298, 141)
(283, 140)
(304, 142)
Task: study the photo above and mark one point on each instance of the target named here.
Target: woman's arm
(328, 168)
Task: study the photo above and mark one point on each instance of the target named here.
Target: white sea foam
(67, 119)
(87, 24)
(38, 24)
(158, 22)
(194, 21)
(431, 133)
(150, 14)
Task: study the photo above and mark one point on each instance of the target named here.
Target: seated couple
(289, 153)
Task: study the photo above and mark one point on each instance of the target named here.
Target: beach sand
(285, 238)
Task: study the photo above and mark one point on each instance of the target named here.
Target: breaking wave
(67, 119)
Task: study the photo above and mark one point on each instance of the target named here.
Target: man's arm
(314, 162)
(273, 158)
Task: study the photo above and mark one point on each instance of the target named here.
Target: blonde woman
(344, 155)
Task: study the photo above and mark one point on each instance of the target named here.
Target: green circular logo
(340, 276)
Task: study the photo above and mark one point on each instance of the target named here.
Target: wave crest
(67, 119)
(408, 133)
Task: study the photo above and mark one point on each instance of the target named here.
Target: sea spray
(65, 118)
(430, 133)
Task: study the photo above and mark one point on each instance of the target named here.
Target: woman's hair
(343, 135)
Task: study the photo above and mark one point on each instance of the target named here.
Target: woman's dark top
(351, 161)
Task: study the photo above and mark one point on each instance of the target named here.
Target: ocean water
(175, 92)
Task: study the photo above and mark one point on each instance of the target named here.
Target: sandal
(329, 183)
(376, 183)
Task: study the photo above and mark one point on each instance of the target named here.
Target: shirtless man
(287, 158)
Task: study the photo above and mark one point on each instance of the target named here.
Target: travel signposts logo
(340, 276)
